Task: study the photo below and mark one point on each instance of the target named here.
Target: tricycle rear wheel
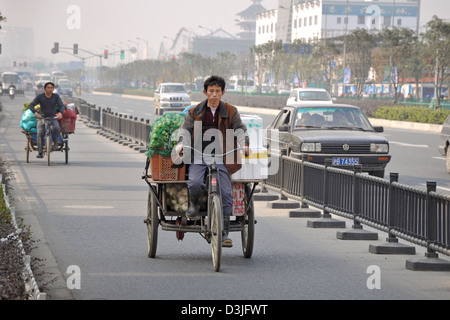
(152, 224)
(27, 150)
(66, 148)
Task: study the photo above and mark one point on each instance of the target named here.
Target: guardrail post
(326, 221)
(392, 246)
(283, 203)
(431, 261)
(304, 211)
(357, 232)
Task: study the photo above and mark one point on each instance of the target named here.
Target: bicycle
(210, 222)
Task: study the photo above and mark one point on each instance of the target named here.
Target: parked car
(338, 132)
(171, 97)
(302, 96)
(445, 142)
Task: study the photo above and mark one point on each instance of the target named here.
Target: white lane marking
(409, 144)
(88, 207)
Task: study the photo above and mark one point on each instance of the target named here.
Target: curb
(31, 286)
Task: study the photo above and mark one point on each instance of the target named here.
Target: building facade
(324, 19)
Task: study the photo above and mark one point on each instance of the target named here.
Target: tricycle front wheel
(152, 224)
(49, 148)
(248, 227)
(216, 227)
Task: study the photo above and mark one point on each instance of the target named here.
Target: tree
(325, 52)
(437, 42)
(260, 54)
(397, 46)
(360, 44)
(415, 64)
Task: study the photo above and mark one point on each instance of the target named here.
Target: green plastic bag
(164, 134)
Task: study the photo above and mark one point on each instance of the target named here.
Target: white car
(171, 97)
(310, 96)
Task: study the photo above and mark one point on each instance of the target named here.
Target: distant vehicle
(42, 78)
(64, 88)
(39, 88)
(190, 86)
(171, 97)
(341, 133)
(8, 78)
(445, 143)
(302, 96)
(57, 76)
(238, 85)
(12, 91)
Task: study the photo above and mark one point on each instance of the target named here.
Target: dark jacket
(229, 118)
(47, 105)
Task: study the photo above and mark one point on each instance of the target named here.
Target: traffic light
(105, 54)
(122, 54)
(75, 48)
(56, 47)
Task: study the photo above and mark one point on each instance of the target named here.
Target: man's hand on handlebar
(58, 115)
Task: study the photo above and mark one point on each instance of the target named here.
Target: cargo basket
(162, 169)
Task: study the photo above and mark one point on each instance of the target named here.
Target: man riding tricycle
(208, 142)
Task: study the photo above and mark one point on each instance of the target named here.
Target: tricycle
(32, 144)
(162, 210)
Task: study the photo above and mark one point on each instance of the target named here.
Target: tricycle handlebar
(216, 155)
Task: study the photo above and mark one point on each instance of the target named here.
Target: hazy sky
(94, 24)
(106, 22)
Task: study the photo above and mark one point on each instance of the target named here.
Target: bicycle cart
(163, 210)
(32, 144)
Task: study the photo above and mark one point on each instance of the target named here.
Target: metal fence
(124, 128)
(420, 216)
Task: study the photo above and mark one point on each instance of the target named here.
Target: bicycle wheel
(49, 148)
(27, 150)
(216, 227)
(248, 226)
(66, 147)
(152, 224)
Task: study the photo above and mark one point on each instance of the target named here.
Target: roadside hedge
(412, 114)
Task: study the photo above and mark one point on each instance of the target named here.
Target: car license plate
(345, 161)
(176, 104)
